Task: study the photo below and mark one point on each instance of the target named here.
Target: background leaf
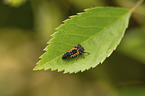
(98, 30)
(15, 3)
(133, 45)
(132, 91)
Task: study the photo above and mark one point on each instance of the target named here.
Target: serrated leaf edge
(70, 17)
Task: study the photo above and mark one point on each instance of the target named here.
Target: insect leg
(77, 57)
(83, 55)
(86, 52)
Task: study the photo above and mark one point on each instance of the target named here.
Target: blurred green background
(26, 26)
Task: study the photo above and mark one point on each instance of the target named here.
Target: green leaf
(99, 30)
(132, 90)
(133, 45)
(15, 3)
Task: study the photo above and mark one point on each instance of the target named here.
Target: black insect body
(78, 50)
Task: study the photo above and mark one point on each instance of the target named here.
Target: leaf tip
(35, 68)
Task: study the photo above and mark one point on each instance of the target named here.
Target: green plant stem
(138, 3)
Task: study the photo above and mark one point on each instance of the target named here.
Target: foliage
(24, 31)
(133, 44)
(99, 30)
(15, 3)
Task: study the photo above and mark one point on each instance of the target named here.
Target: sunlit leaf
(15, 3)
(99, 30)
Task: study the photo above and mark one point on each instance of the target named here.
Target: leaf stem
(138, 3)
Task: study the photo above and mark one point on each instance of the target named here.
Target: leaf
(99, 30)
(15, 3)
(132, 90)
(133, 45)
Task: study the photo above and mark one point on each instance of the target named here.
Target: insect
(77, 50)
